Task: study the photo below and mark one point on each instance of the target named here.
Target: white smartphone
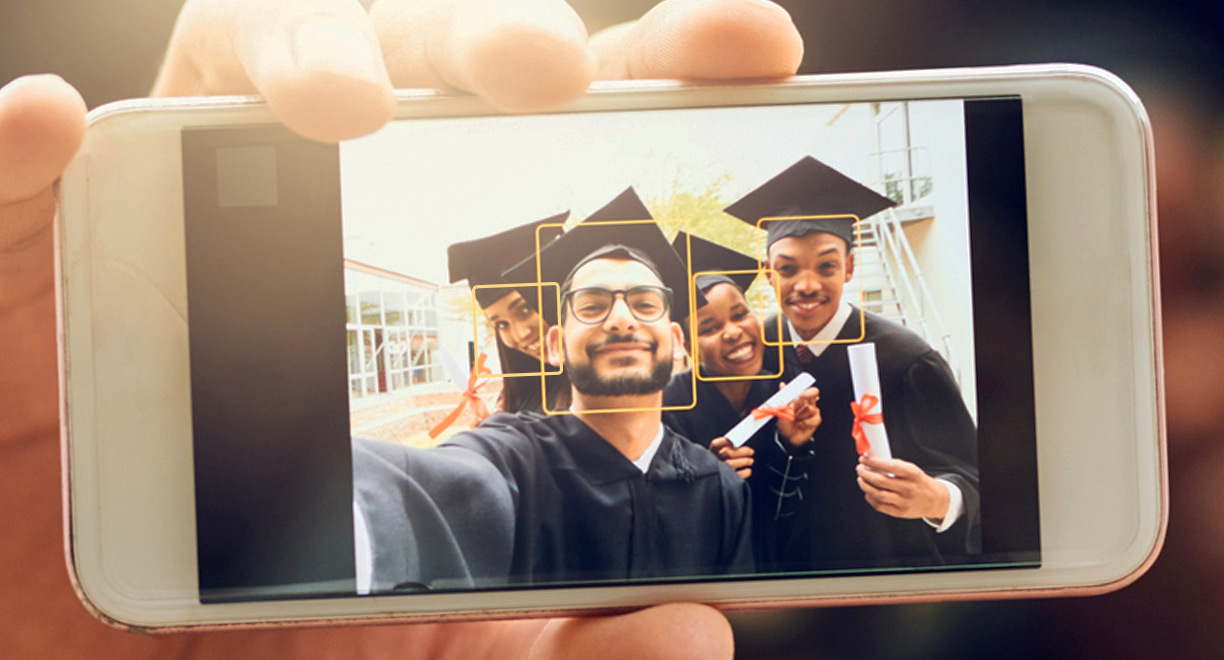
(293, 374)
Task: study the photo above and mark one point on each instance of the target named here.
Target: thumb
(42, 123)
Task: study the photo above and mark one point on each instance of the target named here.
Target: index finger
(520, 55)
(317, 62)
(807, 397)
(896, 467)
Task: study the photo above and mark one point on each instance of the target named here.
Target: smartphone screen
(409, 374)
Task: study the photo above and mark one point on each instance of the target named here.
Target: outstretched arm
(327, 68)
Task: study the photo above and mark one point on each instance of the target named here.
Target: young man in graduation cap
(603, 491)
(514, 312)
(920, 508)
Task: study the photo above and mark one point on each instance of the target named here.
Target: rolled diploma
(866, 378)
(458, 375)
(750, 425)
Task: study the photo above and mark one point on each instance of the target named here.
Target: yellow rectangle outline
(858, 241)
(561, 342)
(539, 296)
(693, 331)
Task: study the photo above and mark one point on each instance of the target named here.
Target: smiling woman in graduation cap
(727, 345)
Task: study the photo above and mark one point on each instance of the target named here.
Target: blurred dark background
(1172, 54)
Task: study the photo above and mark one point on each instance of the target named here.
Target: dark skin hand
(796, 432)
(901, 489)
(327, 68)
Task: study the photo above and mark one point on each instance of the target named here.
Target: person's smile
(742, 353)
(807, 306)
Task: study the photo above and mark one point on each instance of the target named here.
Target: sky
(419, 185)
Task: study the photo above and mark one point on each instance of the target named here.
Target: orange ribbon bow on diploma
(469, 396)
(781, 412)
(863, 415)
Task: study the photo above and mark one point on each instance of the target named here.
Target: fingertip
(322, 75)
(716, 39)
(42, 124)
(688, 630)
(676, 630)
(524, 69)
(329, 107)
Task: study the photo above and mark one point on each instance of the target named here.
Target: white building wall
(941, 244)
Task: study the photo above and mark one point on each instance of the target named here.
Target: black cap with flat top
(706, 256)
(633, 235)
(809, 188)
(483, 260)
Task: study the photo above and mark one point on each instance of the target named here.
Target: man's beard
(585, 380)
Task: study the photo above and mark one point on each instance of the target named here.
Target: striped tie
(805, 354)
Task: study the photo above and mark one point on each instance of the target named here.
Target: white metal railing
(903, 184)
(909, 286)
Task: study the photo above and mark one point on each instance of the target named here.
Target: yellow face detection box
(858, 241)
(545, 368)
(693, 330)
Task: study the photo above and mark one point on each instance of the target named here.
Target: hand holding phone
(1003, 133)
(327, 67)
(41, 125)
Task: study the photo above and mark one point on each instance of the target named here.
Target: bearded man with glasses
(629, 315)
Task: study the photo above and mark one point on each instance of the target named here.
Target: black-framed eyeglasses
(593, 304)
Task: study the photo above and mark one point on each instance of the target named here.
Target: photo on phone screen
(601, 348)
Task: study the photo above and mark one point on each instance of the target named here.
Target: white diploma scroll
(866, 378)
(457, 373)
(750, 425)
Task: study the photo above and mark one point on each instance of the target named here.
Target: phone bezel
(1060, 101)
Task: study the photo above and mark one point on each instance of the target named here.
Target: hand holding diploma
(892, 486)
(469, 383)
(799, 430)
(901, 489)
(777, 406)
(738, 458)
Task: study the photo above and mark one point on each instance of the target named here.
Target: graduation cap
(712, 256)
(809, 187)
(483, 260)
(633, 235)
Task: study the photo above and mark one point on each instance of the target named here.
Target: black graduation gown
(434, 521)
(928, 425)
(713, 417)
(584, 512)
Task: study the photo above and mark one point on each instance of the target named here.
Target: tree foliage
(700, 213)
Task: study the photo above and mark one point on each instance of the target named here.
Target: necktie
(805, 354)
